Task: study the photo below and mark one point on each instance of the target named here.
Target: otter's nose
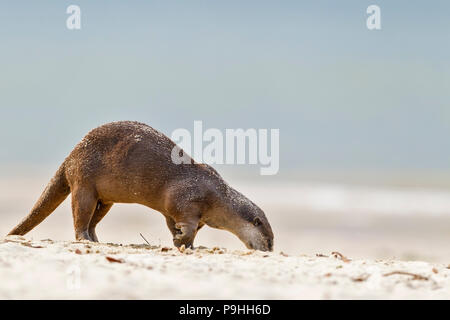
(270, 244)
(261, 246)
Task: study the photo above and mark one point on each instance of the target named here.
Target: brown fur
(130, 162)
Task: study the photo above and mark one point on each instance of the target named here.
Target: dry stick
(114, 260)
(361, 278)
(144, 239)
(414, 275)
(340, 256)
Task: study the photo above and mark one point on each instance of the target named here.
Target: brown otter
(130, 162)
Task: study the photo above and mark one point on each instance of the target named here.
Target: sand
(47, 269)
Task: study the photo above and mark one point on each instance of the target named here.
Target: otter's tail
(56, 191)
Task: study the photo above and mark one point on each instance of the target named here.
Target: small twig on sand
(144, 239)
(340, 256)
(414, 275)
(361, 278)
(114, 260)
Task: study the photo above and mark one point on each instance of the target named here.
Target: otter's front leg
(180, 236)
(171, 225)
(184, 228)
(185, 235)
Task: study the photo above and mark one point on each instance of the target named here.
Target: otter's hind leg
(100, 211)
(84, 202)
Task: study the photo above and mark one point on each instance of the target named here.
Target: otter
(130, 162)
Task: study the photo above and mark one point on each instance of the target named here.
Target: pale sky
(341, 95)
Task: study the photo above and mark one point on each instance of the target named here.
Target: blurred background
(364, 116)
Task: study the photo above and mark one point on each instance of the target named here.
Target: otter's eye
(257, 222)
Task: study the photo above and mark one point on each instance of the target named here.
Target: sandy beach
(74, 270)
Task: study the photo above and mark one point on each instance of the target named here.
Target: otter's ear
(257, 222)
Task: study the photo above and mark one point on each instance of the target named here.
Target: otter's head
(237, 214)
(253, 227)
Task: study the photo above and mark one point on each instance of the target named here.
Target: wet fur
(130, 162)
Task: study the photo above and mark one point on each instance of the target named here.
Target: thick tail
(56, 191)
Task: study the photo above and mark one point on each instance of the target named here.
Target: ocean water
(348, 199)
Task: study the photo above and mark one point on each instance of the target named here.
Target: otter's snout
(258, 242)
(261, 247)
